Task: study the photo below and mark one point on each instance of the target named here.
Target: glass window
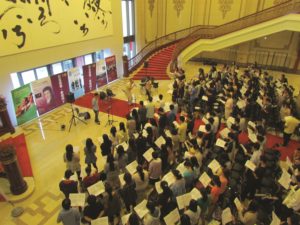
(88, 59)
(15, 80)
(28, 76)
(57, 68)
(124, 18)
(79, 61)
(99, 55)
(41, 72)
(107, 53)
(67, 64)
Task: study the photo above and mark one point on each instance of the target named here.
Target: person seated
(89, 179)
(92, 210)
(67, 185)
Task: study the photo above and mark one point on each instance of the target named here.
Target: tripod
(110, 116)
(73, 119)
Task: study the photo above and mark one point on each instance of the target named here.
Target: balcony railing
(292, 6)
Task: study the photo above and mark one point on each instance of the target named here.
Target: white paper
(259, 101)
(197, 108)
(214, 222)
(241, 104)
(214, 166)
(202, 128)
(205, 120)
(252, 124)
(135, 135)
(183, 200)
(125, 146)
(226, 216)
(195, 194)
(191, 135)
(77, 199)
(172, 218)
(169, 178)
(96, 189)
(181, 168)
(148, 154)
(205, 179)
(141, 209)
(224, 133)
(221, 143)
(289, 163)
(158, 187)
(243, 90)
(131, 168)
(100, 221)
(204, 98)
(231, 120)
(285, 179)
(275, 219)
(147, 125)
(160, 141)
(222, 101)
(238, 204)
(168, 133)
(244, 148)
(121, 178)
(144, 133)
(252, 137)
(167, 106)
(125, 218)
(250, 165)
(176, 124)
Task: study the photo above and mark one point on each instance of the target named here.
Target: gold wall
(35, 58)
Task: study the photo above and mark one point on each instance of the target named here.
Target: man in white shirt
(289, 128)
(95, 106)
(150, 109)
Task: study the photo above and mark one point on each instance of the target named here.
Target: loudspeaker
(146, 64)
(70, 97)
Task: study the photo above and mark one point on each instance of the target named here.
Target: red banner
(101, 76)
(111, 68)
(89, 77)
(60, 85)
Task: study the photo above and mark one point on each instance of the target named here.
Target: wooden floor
(46, 144)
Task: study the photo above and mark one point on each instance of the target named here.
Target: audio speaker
(70, 97)
(146, 64)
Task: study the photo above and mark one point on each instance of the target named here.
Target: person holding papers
(134, 219)
(150, 107)
(165, 200)
(162, 121)
(152, 218)
(249, 216)
(68, 215)
(106, 146)
(122, 133)
(142, 111)
(178, 187)
(216, 190)
(182, 130)
(112, 203)
(193, 212)
(141, 179)
(111, 168)
(128, 192)
(92, 210)
(155, 169)
(90, 153)
(130, 125)
(72, 161)
(171, 116)
(114, 137)
(122, 158)
(189, 175)
(90, 178)
(68, 186)
(175, 141)
(228, 106)
(289, 128)
(154, 128)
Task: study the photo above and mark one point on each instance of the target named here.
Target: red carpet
(22, 155)
(157, 65)
(118, 107)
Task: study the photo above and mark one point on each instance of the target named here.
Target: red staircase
(157, 65)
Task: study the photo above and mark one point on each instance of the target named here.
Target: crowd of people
(161, 168)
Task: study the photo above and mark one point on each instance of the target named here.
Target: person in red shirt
(67, 185)
(89, 179)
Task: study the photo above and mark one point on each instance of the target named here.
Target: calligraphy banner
(25, 108)
(30, 25)
(76, 81)
(111, 68)
(101, 76)
(89, 77)
(43, 95)
(60, 85)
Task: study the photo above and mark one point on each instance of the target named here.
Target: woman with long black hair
(72, 160)
(90, 153)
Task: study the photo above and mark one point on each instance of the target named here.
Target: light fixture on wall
(265, 37)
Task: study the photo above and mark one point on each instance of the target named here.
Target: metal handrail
(279, 10)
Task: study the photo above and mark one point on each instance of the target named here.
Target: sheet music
(125, 218)
(144, 133)
(249, 164)
(197, 108)
(244, 148)
(275, 219)
(226, 216)
(168, 133)
(147, 125)
(252, 137)
(204, 98)
(222, 101)
(195, 194)
(214, 222)
(238, 204)
(77, 199)
(205, 179)
(158, 187)
(243, 90)
(241, 104)
(176, 124)
(181, 168)
(141, 209)
(205, 120)
(167, 106)
(289, 163)
(96, 189)
(224, 133)
(131, 168)
(260, 102)
(121, 178)
(252, 124)
(169, 178)
(202, 128)
(183, 200)
(100, 221)
(285, 179)
(170, 86)
(214, 166)
(135, 135)
(221, 143)
(160, 141)
(231, 120)
(148, 154)
(172, 218)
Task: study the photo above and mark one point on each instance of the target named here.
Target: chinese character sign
(27, 25)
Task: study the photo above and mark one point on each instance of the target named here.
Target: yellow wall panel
(199, 12)
(178, 15)
(249, 7)
(150, 22)
(31, 25)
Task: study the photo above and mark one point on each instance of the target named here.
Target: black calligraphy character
(66, 1)
(84, 29)
(42, 16)
(18, 30)
(4, 33)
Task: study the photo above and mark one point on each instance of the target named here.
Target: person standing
(290, 125)
(68, 215)
(150, 109)
(90, 153)
(142, 111)
(95, 105)
(128, 89)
